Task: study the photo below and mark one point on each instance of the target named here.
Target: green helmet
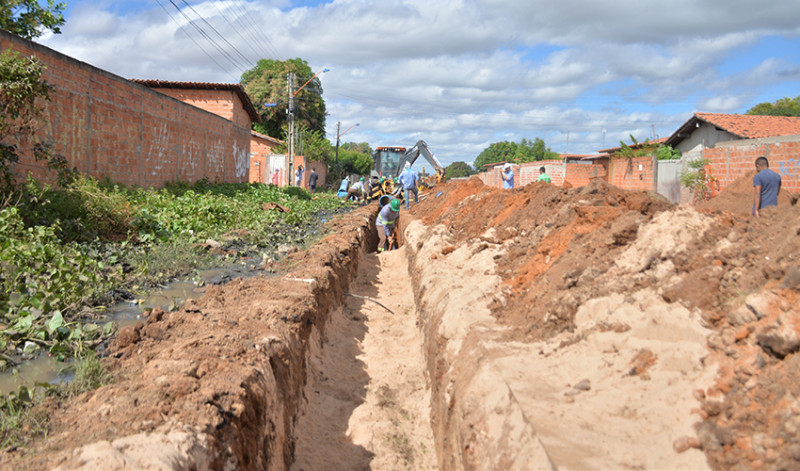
(383, 179)
(395, 204)
(362, 179)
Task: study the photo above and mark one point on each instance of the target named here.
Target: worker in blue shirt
(409, 179)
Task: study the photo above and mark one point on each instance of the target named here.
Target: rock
(129, 335)
(792, 278)
(584, 385)
(211, 243)
(781, 339)
(760, 303)
(741, 316)
(684, 443)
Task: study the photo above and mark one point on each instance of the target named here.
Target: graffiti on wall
(158, 150)
(241, 161)
(789, 168)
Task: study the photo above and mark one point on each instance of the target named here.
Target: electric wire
(224, 53)
(246, 59)
(247, 19)
(191, 38)
(254, 42)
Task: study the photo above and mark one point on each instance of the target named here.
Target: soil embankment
(580, 328)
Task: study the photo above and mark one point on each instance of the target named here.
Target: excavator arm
(411, 156)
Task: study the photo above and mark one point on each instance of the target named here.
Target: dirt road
(368, 401)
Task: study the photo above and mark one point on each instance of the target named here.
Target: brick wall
(529, 172)
(107, 126)
(580, 174)
(632, 174)
(732, 161)
(261, 147)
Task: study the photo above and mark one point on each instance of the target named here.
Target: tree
(353, 161)
(22, 90)
(782, 107)
(668, 153)
(267, 83)
(28, 19)
(525, 151)
(458, 170)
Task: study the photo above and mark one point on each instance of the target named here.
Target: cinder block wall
(632, 174)
(107, 126)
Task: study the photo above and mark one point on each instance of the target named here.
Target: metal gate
(669, 180)
(277, 162)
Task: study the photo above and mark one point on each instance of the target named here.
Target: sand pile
(738, 197)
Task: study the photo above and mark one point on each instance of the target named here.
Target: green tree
(668, 153)
(458, 170)
(525, 151)
(28, 19)
(22, 90)
(782, 107)
(353, 161)
(267, 83)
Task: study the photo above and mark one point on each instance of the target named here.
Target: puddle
(46, 369)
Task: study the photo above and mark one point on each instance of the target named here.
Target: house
(704, 130)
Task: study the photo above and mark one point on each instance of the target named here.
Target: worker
(343, 187)
(358, 191)
(767, 185)
(508, 176)
(543, 177)
(385, 223)
(408, 180)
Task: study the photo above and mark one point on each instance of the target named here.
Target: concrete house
(704, 130)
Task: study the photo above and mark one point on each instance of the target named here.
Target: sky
(581, 75)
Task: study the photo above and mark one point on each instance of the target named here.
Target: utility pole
(338, 127)
(291, 125)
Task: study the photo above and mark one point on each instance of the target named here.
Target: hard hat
(395, 204)
(383, 179)
(507, 165)
(362, 179)
(408, 164)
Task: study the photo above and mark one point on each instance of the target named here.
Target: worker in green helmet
(386, 223)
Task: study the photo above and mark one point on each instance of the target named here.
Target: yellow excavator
(389, 163)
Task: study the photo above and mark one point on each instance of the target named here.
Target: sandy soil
(368, 401)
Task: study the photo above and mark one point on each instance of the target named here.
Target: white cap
(507, 165)
(408, 164)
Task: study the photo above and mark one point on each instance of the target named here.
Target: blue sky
(582, 75)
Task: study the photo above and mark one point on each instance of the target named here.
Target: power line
(190, 37)
(254, 43)
(255, 27)
(225, 54)
(246, 60)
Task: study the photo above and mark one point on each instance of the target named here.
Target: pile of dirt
(738, 197)
(738, 274)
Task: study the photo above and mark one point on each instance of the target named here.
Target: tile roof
(740, 125)
(234, 87)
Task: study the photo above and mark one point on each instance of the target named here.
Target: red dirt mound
(738, 197)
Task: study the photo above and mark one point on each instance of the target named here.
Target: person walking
(766, 185)
(408, 180)
(385, 224)
(312, 180)
(508, 176)
(543, 177)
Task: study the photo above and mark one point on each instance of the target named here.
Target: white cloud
(463, 74)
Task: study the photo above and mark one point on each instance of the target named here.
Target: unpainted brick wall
(632, 174)
(730, 163)
(107, 126)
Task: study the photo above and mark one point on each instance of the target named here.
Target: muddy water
(44, 369)
(368, 397)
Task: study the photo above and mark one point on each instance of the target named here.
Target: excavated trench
(352, 360)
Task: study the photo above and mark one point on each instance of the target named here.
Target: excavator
(389, 163)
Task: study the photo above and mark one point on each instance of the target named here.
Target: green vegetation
(65, 251)
(458, 170)
(28, 19)
(699, 180)
(267, 82)
(782, 107)
(524, 151)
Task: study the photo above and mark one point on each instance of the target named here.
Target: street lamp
(309, 80)
(338, 135)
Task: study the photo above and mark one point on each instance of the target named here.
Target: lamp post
(338, 135)
(290, 111)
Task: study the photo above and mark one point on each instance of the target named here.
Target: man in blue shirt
(767, 185)
(408, 180)
(508, 176)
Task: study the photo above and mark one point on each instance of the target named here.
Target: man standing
(409, 179)
(543, 177)
(312, 180)
(508, 176)
(385, 224)
(767, 185)
(299, 176)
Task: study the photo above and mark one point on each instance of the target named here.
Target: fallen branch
(370, 299)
